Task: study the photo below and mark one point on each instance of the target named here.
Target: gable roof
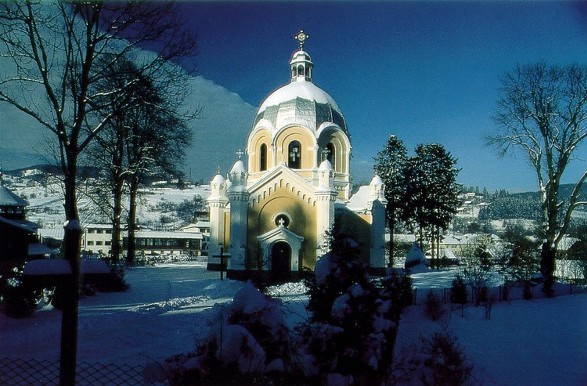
(24, 225)
(8, 198)
(293, 180)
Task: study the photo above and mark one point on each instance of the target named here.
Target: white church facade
(272, 213)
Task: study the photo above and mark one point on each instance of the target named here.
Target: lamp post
(221, 261)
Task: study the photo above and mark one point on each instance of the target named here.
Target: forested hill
(504, 205)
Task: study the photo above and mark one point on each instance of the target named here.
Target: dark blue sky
(425, 71)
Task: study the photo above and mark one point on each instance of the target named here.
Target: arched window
(331, 154)
(294, 155)
(300, 70)
(263, 157)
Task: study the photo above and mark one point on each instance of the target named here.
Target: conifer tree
(389, 165)
(431, 194)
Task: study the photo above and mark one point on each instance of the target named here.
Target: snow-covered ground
(168, 308)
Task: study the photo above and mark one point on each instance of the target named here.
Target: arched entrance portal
(281, 260)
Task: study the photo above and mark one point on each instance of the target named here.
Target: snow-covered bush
(247, 338)
(444, 362)
(19, 300)
(351, 334)
(438, 361)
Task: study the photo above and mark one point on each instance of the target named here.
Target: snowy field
(168, 308)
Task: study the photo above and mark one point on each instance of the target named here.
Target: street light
(221, 261)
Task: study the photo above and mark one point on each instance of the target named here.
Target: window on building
(263, 157)
(107, 242)
(331, 154)
(294, 155)
(90, 243)
(282, 219)
(99, 243)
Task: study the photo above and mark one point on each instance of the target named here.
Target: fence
(496, 294)
(31, 372)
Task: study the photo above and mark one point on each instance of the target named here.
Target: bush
(458, 290)
(354, 321)
(114, 281)
(433, 306)
(18, 298)
(438, 361)
(248, 339)
(444, 361)
(527, 290)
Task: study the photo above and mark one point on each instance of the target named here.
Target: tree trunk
(547, 266)
(391, 223)
(132, 212)
(71, 285)
(116, 223)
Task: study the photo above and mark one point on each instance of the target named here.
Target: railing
(32, 372)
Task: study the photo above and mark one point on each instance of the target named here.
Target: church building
(272, 212)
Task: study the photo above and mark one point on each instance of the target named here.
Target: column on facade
(376, 205)
(217, 203)
(325, 199)
(238, 197)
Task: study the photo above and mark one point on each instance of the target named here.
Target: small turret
(325, 175)
(377, 190)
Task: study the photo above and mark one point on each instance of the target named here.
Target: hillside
(505, 205)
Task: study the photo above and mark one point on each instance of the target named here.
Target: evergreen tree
(389, 165)
(431, 194)
(354, 321)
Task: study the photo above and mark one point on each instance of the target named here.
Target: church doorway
(281, 260)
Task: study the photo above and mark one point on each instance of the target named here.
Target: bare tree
(141, 129)
(542, 112)
(156, 141)
(55, 48)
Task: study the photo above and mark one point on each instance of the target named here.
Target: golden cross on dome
(301, 38)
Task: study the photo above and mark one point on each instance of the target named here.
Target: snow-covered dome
(376, 181)
(299, 102)
(238, 167)
(218, 179)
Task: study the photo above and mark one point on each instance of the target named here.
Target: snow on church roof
(301, 103)
(359, 200)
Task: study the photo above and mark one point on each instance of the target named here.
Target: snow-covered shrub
(444, 362)
(438, 361)
(19, 299)
(247, 338)
(397, 287)
(351, 334)
(416, 260)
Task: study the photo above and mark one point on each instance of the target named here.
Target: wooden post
(69, 317)
(221, 262)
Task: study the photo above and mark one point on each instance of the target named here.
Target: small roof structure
(8, 198)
